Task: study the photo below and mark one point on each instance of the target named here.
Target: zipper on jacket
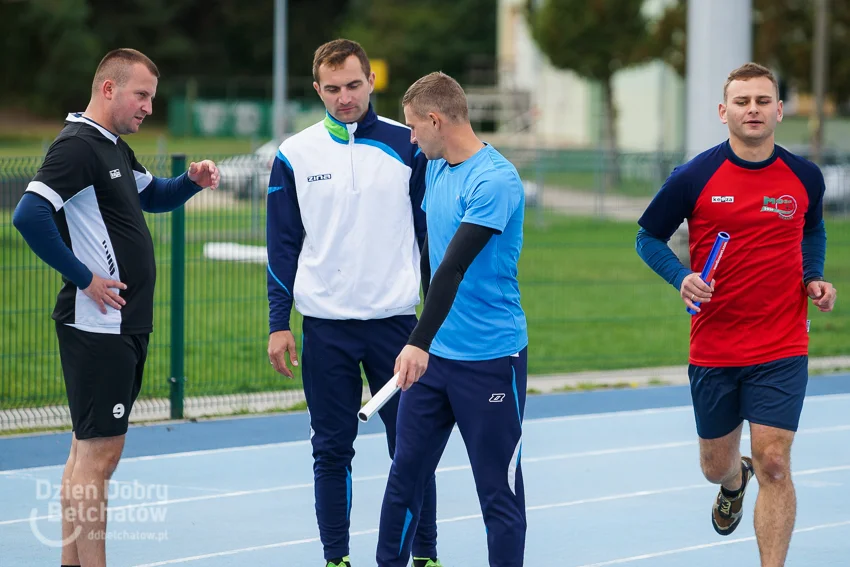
(351, 157)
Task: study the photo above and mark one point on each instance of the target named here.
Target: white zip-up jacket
(344, 222)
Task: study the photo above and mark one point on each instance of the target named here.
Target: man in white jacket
(345, 229)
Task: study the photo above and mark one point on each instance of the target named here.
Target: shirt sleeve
(429, 165)
(660, 258)
(814, 252)
(815, 187)
(673, 203)
(142, 175)
(814, 231)
(492, 201)
(68, 168)
(417, 194)
(284, 239)
(33, 218)
(164, 195)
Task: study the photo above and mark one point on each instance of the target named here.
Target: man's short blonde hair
(750, 71)
(437, 92)
(116, 66)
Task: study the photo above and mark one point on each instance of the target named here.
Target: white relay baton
(378, 400)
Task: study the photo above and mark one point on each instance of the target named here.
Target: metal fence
(591, 303)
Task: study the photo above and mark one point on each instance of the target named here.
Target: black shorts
(103, 376)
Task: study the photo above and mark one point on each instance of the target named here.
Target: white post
(279, 71)
(719, 40)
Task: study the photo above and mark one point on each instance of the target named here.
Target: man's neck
(94, 113)
(462, 146)
(757, 153)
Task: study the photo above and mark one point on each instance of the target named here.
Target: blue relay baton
(711, 264)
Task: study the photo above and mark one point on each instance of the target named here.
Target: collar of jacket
(341, 132)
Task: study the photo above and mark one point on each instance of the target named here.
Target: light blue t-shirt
(486, 320)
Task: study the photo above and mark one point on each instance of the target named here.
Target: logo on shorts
(785, 206)
(322, 177)
(496, 398)
(114, 173)
(118, 411)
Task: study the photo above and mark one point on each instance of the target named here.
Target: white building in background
(566, 110)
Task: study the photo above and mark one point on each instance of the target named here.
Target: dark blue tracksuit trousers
(332, 352)
(487, 400)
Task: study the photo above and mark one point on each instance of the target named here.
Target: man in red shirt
(749, 337)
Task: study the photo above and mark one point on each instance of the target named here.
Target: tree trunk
(611, 177)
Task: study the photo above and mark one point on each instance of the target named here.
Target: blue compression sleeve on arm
(469, 240)
(658, 256)
(34, 220)
(425, 268)
(814, 252)
(163, 195)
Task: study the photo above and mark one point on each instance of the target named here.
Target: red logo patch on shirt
(785, 206)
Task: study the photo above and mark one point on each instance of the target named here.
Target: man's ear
(107, 89)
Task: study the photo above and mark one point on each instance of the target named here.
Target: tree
(667, 39)
(229, 41)
(416, 38)
(783, 37)
(52, 47)
(595, 39)
(49, 55)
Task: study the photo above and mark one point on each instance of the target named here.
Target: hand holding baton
(384, 395)
(711, 264)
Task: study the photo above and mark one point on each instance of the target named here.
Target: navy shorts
(769, 394)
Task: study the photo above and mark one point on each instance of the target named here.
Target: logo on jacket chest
(784, 206)
(322, 177)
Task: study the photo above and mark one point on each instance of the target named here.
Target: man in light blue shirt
(466, 359)
(486, 320)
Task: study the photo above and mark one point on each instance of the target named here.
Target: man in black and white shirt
(83, 215)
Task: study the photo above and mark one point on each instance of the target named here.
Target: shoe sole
(728, 530)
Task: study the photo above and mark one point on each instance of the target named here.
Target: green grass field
(591, 304)
(591, 181)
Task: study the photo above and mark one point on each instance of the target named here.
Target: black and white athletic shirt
(92, 179)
